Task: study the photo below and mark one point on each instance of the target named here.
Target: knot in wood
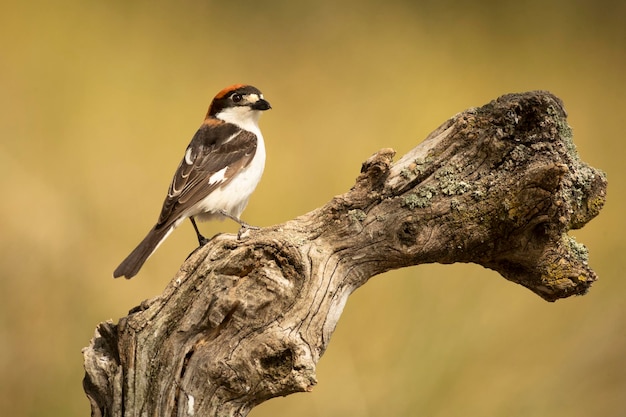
(375, 169)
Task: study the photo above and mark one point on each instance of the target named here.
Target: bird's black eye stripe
(236, 97)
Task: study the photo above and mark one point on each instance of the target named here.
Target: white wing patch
(218, 176)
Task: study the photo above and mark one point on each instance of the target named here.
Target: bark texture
(244, 321)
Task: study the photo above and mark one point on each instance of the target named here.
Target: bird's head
(239, 104)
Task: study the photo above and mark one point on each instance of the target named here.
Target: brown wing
(215, 146)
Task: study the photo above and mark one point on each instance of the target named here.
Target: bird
(220, 169)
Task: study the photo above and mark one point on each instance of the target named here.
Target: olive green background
(98, 100)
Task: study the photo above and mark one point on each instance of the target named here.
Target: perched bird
(221, 168)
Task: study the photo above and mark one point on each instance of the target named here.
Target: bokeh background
(98, 100)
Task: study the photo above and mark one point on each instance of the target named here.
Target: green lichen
(420, 165)
(578, 249)
(411, 201)
(478, 195)
(356, 215)
(449, 184)
(451, 187)
(405, 173)
(519, 154)
(428, 192)
(445, 172)
(564, 130)
(455, 204)
(417, 167)
(421, 199)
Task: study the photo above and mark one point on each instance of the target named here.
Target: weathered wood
(245, 321)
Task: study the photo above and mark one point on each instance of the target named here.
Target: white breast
(233, 197)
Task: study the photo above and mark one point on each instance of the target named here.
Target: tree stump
(247, 320)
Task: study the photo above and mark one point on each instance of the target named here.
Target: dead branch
(245, 321)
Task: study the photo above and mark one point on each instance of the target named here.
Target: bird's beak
(261, 104)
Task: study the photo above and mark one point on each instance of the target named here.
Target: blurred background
(98, 100)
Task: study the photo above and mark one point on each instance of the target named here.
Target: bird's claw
(244, 228)
(202, 240)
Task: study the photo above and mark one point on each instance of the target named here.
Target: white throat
(242, 116)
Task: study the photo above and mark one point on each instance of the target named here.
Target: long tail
(133, 262)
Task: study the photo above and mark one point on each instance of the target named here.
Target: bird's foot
(203, 240)
(244, 228)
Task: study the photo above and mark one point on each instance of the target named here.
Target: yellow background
(98, 100)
